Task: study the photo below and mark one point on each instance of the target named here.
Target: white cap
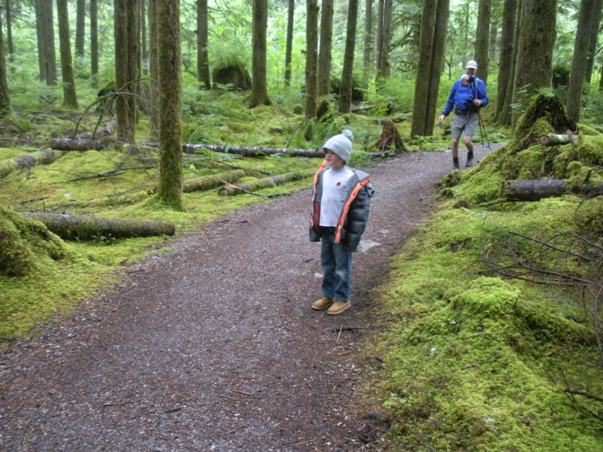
(340, 144)
(471, 64)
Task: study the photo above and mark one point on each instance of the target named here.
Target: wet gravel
(214, 346)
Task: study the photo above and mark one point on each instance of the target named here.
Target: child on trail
(340, 208)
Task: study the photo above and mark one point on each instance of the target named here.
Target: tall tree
(345, 95)
(324, 53)
(505, 116)
(368, 40)
(311, 58)
(69, 96)
(506, 56)
(259, 86)
(202, 42)
(493, 39)
(45, 34)
(385, 36)
(437, 63)
(289, 44)
(482, 38)
(579, 59)
(534, 67)
(144, 54)
(126, 14)
(4, 97)
(379, 41)
(9, 31)
(80, 28)
(419, 112)
(170, 91)
(94, 43)
(594, 38)
(153, 70)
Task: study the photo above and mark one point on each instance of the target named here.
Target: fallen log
(252, 151)
(533, 190)
(212, 181)
(81, 227)
(553, 139)
(27, 161)
(78, 144)
(229, 189)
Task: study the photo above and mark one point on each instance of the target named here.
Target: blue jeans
(337, 267)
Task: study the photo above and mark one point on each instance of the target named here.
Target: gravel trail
(214, 346)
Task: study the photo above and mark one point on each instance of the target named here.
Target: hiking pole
(482, 130)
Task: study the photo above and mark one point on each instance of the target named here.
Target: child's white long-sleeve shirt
(333, 195)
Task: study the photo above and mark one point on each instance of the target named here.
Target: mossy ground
(476, 361)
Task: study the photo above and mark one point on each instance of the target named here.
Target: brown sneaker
(338, 307)
(322, 303)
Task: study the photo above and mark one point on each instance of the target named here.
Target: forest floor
(214, 346)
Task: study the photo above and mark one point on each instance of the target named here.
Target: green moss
(589, 217)
(472, 361)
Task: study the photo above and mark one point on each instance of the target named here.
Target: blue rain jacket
(461, 97)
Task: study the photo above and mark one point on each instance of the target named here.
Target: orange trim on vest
(315, 214)
(346, 207)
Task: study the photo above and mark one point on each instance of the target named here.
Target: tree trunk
(345, 95)
(259, 89)
(482, 38)
(153, 71)
(133, 68)
(506, 57)
(493, 41)
(94, 43)
(289, 44)
(202, 42)
(46, 50)
(421, 97)
(170, 90)
(9, 32)
(80, 227)
(437, 63)
(383, 65)
(80, 28)
(594, 30)
(4, 98)
(579, 59)
(69, 96)
(311, 58)
(126, 66)
(506, 114)
(144, 53)
(324, 54)
(534, 67)
(368, 40)
(379, 42)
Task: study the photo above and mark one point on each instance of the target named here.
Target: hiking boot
(322, 303)
(455, 162)
(338, 307)
(469, 160)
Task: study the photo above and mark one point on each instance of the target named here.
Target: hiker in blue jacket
(467, 96)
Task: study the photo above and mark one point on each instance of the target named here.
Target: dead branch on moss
(588, 395)
(212, 181)
(554, 139)
(82, 227)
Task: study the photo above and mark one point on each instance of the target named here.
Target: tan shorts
(463, 123)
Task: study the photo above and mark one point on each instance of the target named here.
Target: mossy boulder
(23, 243)
(234, 75)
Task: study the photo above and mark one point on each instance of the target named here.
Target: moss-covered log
(43, 157)
(77, 144)
(212, 181)
(533, 190)
(90, 228)
(553, 139)
(263, 183)
(23, 243)
(252, 151)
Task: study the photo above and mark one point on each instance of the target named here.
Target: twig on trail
(238, 391)
(339, 335)
(110, 404)
(112, 172)
(348, 328)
